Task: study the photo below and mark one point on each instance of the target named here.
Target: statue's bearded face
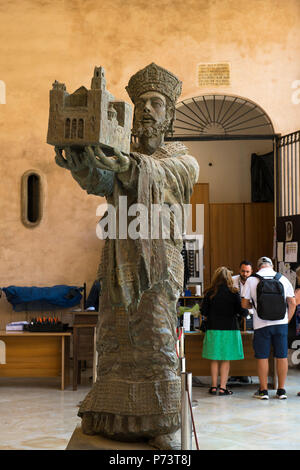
(151, 115)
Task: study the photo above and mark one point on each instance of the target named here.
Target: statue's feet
(87, 424)
(166, 441)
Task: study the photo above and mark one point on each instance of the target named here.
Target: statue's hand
(74, 160)
(119, 163)
(80, 160)
(59, 158)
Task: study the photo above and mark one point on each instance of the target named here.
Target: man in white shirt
(240, 279)
(269, 332)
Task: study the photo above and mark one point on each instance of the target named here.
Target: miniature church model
(89, 117)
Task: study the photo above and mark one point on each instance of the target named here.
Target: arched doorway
(224, 132)
(221, 117)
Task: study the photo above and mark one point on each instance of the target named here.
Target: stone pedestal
(80, 441)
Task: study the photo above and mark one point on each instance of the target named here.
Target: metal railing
(288, 174)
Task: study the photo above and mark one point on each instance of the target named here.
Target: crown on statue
(154, 78)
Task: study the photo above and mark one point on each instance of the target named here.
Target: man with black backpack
(272, 298)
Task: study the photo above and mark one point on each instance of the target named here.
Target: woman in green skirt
(222, 342)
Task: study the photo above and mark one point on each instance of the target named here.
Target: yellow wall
(41, 41)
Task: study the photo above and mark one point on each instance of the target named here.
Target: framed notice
(291, 252)
(213, 74)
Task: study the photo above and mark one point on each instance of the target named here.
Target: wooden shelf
(191, 297)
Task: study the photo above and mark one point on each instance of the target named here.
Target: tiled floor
(241, 422)
(35, 414)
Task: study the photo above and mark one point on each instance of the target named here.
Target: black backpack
(271, 303)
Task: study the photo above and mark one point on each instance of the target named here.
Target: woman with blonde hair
(222, 343)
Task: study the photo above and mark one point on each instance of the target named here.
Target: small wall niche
(31, 198)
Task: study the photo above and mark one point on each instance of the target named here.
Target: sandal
(212, 390)
(224, 391)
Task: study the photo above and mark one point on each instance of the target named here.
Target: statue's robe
(137, 392)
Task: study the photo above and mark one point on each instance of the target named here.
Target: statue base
(80, 441)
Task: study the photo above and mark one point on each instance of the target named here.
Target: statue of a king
(138, 388)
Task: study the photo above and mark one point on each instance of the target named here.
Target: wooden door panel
(226, 236)
(259, 230)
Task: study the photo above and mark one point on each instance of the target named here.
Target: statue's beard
(154, 130)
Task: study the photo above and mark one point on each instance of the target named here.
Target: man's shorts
(276, 336)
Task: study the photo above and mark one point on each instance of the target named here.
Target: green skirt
(223, 345)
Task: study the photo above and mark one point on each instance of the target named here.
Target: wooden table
(36, 355)
(199, 366)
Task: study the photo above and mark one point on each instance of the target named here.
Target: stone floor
(241, 422)
(36, 415)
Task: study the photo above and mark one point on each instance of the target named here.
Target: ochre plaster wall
(41, 41)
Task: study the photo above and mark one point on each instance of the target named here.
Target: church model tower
(89, 117)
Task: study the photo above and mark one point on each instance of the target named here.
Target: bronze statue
(137, 392)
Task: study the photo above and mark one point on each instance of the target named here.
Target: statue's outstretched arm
(89, 157)
(90, 174)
